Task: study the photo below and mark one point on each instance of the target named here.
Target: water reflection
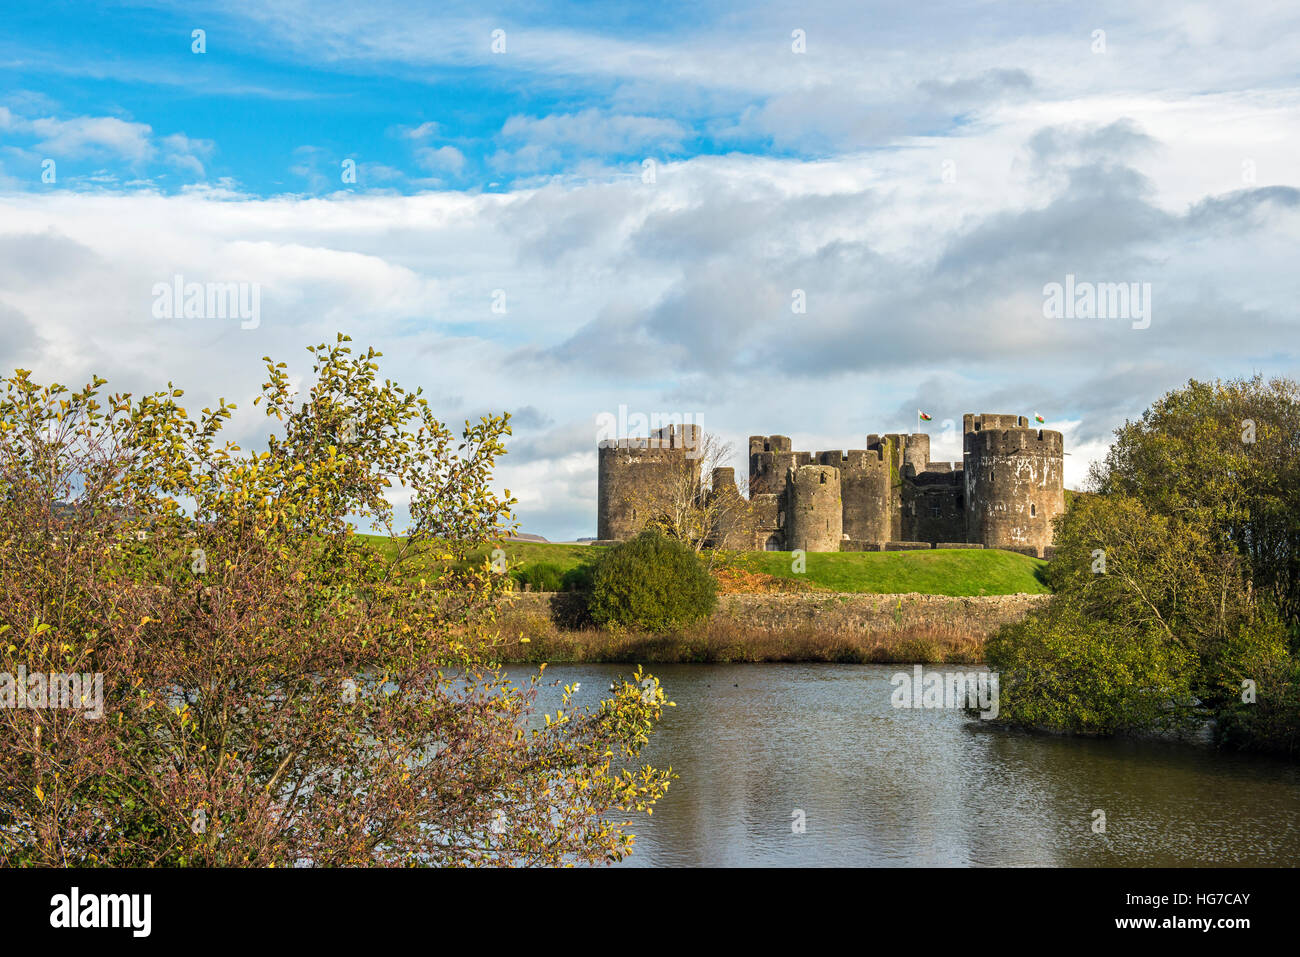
(890, 787)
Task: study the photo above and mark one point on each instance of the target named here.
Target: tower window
(1033, 510)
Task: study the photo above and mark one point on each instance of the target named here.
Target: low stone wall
(833, 611)
(852, 545)
(852, 611)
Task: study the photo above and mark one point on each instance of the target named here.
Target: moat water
(754, 745)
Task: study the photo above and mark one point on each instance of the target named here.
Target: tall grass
(532, 637)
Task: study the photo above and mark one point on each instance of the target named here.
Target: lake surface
(885, 786)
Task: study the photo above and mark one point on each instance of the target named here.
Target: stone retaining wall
(829, 610)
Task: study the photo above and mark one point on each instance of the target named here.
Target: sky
(808, 219)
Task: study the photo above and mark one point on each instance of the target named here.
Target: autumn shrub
(274, 691)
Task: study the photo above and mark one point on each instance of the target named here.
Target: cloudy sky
(558, 210)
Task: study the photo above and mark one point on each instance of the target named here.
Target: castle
(886, 497)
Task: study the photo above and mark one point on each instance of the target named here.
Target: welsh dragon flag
(1038, 418)
(922, 416)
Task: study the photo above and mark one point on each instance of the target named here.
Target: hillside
(955, 571)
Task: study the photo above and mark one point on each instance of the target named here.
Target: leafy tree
(652, 582)
(1063, 671)
(1180, 572)
(1117, 563)
(1225, 457)
(1263, 712)
(275, 691)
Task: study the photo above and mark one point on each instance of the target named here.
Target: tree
(275, 689)
(1119, 563)
(1178, 579)
(1063, 671)
(1224, 456)
(683, 504)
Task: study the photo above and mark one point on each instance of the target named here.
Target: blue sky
(272, 120)
(917, 176)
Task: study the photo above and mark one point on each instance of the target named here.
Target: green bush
(1270, 722)
(579, 577)
(651, 582)
(541, 576)
(1063, 671)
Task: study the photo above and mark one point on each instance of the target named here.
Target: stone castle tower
(637, 476)
(889, 496)
(1014, 481)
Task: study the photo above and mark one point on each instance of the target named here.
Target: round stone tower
(1014, 482)
(865, 491)
(633, 476)
(814, 515)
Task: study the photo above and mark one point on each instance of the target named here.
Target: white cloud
(74, 137)
(442, 159)
(595, 131)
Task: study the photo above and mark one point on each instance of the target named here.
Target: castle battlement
(1008, 441)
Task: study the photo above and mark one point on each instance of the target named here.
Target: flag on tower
(922, 416)
(1038, 418)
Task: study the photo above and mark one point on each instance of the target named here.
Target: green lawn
(947, 571)
(517, 553)
(939, 571)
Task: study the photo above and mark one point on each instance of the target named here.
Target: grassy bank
(955, 571)
(940, 571)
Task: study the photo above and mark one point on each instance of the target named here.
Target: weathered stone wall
(981, 615)
(1004, 494)
(634, 477)
(632, 483)
(900, 451)
(865, 491)
(770, 457)
(814, 520)
(767, 512)
(933, 504)
(916, 451)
